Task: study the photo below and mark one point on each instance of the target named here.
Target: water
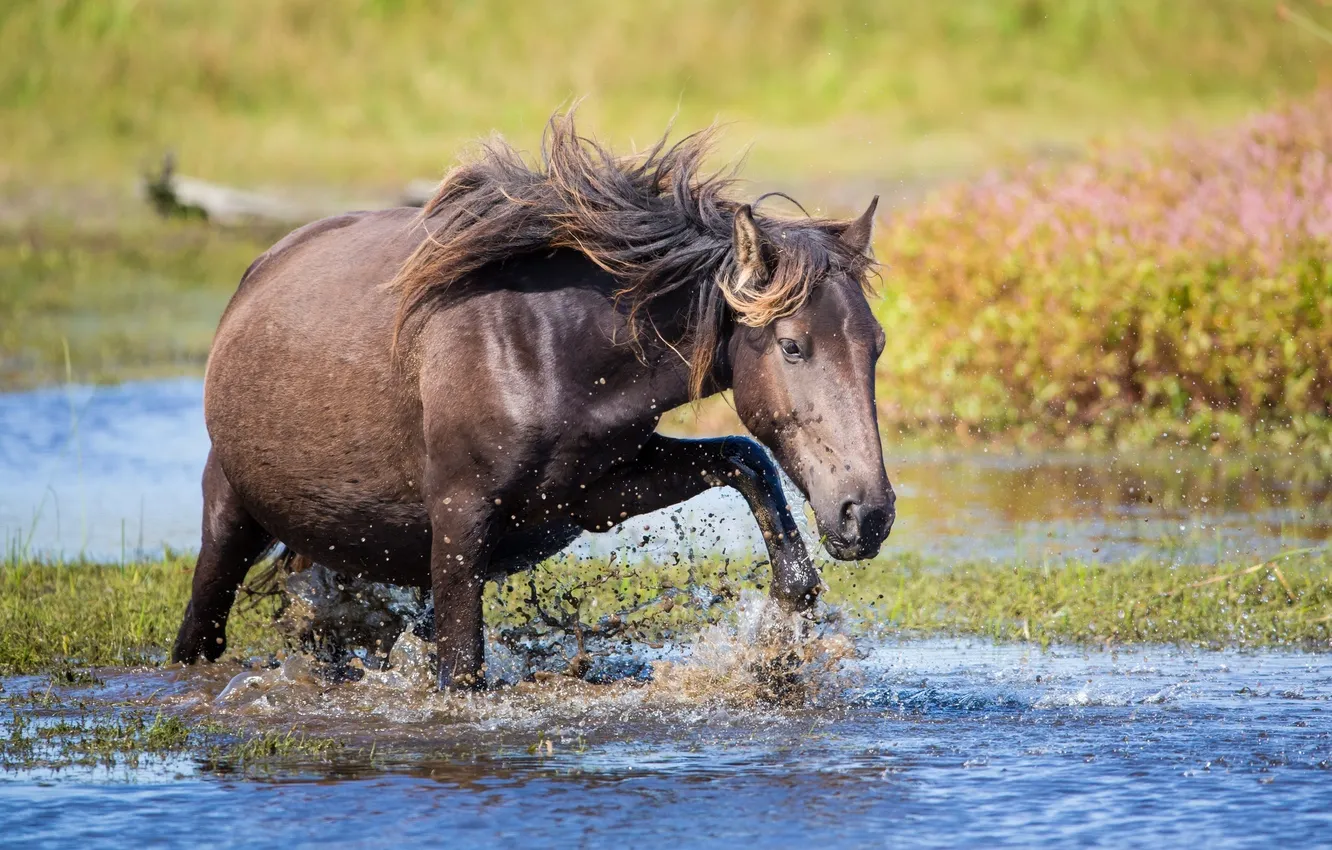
(909, 743)
(113, 471)
(930, 743)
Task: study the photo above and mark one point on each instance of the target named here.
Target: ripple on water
(964, 739)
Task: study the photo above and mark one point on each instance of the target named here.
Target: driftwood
(177, 196)
(419, 192)
(174, 195)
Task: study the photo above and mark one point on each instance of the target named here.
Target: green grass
(66, 617)
(52, 733)
(1286, 602)
(380, 91)
(78, 614)
(97, 303)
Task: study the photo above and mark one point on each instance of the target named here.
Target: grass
(103, 302)
(47, 733)
(63, 618)
(1284, 602)
(80, 615)
(381, 91)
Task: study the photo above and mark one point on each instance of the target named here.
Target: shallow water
(928, 743)
(910, 743)
(113, 471)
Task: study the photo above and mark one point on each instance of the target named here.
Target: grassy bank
(75, 615)
(380, 91)
(67, 617)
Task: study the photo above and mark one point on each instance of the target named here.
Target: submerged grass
(64, 618)
(42, 732)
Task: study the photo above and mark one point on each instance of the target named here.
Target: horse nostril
(873, 521)
(850, 521)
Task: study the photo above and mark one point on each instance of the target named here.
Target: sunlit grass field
(381, 91)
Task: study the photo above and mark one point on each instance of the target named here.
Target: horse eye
(790, 348)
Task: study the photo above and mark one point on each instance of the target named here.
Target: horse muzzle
(862, 526)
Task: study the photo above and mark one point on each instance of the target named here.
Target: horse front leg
(668, 471)
(459, 553)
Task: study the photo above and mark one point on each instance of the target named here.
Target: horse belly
(338, 515)
(314, 429)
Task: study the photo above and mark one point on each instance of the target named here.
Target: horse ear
(749, 249)
(860, 232)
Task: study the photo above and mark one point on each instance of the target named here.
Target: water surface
(910, 743)
(111, 471)
(930, 743)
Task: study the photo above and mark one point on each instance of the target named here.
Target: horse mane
(655, 221)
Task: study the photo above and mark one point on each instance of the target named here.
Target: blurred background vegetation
(370, 91)
(835, 100)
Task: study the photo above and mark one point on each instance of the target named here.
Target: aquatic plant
(1181, 288)
(54, 733)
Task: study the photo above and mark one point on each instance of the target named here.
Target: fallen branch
(173, 195)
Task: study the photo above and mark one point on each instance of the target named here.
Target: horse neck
(668, 353)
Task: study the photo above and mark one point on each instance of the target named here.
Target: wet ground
(904, 743)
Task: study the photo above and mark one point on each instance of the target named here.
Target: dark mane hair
(655, 221)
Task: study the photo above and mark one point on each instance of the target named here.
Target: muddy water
(112, 471)
(883, 742)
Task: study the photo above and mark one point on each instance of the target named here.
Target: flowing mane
(656, 221)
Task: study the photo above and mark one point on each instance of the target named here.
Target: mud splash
(762, 657)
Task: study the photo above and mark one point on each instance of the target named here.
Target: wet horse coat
(443, 397)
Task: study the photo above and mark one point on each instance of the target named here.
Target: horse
(443, 396)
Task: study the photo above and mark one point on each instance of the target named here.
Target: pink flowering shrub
(1186, 287)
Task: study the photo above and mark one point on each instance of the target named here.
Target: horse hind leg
(233, 541)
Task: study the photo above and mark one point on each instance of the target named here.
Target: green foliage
(1183, 290)
(387, 90)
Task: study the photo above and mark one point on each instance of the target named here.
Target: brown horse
(442, 397)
